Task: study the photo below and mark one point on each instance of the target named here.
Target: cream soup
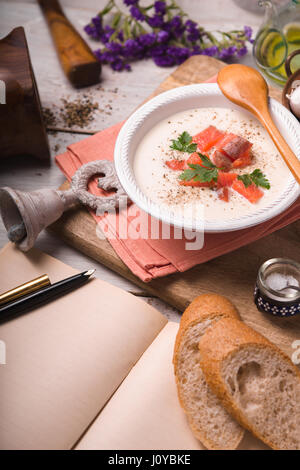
(160, 183)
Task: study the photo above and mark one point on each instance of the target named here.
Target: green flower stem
(108, 7)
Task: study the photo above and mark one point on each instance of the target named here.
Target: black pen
(44, 295)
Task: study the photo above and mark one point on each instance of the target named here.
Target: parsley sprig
(184, 143)
(257, 177)
(197, 172)
(210, 172)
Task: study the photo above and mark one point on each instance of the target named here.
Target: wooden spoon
(247, 88)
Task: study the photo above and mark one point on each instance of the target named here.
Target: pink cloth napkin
(148, 258)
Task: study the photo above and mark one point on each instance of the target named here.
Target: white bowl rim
(126, 175)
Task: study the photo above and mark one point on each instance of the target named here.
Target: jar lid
(279, 278)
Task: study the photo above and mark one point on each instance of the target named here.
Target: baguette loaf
(208, 419)
(256, 382)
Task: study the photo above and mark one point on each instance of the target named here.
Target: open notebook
(91, 370)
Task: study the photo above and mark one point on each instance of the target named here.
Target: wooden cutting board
(232, 275)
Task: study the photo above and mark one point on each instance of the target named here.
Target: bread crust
(222, 340)
(204, 307)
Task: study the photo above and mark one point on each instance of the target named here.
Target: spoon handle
(286, 152)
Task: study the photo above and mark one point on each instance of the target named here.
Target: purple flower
(196, 50)
(88, 29)
(164, 60)
(94, 29)
(158, 50)
(248, 32)
(178, 32)
(160, 7)
(130, 2)
(211, 51)
(98, 55)
(121, 36)
(91, 31)
(147, 40)
(108, 31)
(227, 52)
(175, 27)
(242, 51)
(97, 21)
(132, 48)
(191, 25)
(159, 44)
(193, 36)
(223, 54)
(105, 56)
(115, 47)
(175, 22)
(180, 54)
(156, 21)
(136, 13)
(117, 65)
(163, 36)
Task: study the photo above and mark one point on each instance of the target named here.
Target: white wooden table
(132, 88)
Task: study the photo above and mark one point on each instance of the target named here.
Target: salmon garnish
(207, 138)
(177, 164)
(223, 194)
(195, 159)
(234, 146)
(243, 161)
(226, 179)
(252, 192)
(197, 184)
(220, 159)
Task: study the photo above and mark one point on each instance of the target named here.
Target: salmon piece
(252, 193)
(234, 146)
(197, 184)
(207, 138)
(243, 161)
(177, 164)
(227, 138)
(226, 179)
(220, 159)
(194, 159)
(223, 194)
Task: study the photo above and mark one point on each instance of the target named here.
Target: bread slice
(256, 382)
(208, 419)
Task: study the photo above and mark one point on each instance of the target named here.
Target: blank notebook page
(65, 359)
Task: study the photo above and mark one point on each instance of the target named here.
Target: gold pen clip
(24, 289)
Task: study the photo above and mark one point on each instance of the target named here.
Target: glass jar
(278, 36)
(277, 289)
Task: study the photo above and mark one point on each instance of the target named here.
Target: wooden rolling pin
(77, 59)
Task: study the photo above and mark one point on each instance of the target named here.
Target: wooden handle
(78, 61)
(286, 152)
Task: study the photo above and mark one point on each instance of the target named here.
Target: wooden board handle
(77, 59)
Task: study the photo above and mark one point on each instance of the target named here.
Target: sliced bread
(208, 419)
(256, 382)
